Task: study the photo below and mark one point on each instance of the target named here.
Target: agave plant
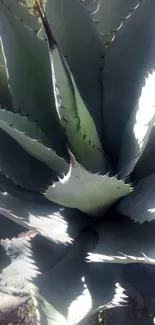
(77, 152)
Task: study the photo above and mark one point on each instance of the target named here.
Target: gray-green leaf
(50, 220)
(121, 240)
(30, 80)
(21, 12)
(80, 129)
(109, 15)
(127, 61)
(31, 138)
(90, 193)
(140, 204)
(82, 47)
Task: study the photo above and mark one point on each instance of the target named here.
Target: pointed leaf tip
(79, 126)
(90, 193)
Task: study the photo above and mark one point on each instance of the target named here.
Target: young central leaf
(75, 118)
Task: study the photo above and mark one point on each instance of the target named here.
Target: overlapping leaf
(48, 219)
(110, 15)
(140, 204)
(103, 283)
(127, 61)
(21, 12)
(31, 138)
(90, 193)
(80, 129)
(30, 81)
(123, 241)
(82, 47)
(58, 288)
(22, 168)
(52, 276)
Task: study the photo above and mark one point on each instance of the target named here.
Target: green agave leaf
(30, 80)
(138, 129)
(127, 61)
(55, 280)
(5, 98)
(9, 229)
(21, 264)
(82, 47)
(103, 281)
(120, 259)
(90, 193)
(145, 289)
(79, 312)
(8, 186)
(109, 15)
(123, 241)
(140, 205)
(22, 168)
(46, 313)
(28, 135)
(21, 12)
(59, 291)
(54, 222)
(77, 122)
(25, 253)
(75, 118)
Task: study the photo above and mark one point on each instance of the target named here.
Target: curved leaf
(138, 129)
(21, 266)
(8, 186)
(140, 204)
(28, 135)
(127, 61)
(102, 281)
(90, 193)
(81, 45)
(25, 253)
(50, 220)
(30, 80)
(78, 124)
(56, 291)
(121, 240)
(21, 167)
(54, 281)
(21, 12)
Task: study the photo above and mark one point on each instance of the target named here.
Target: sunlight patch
(80, 307)
(146, 109)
